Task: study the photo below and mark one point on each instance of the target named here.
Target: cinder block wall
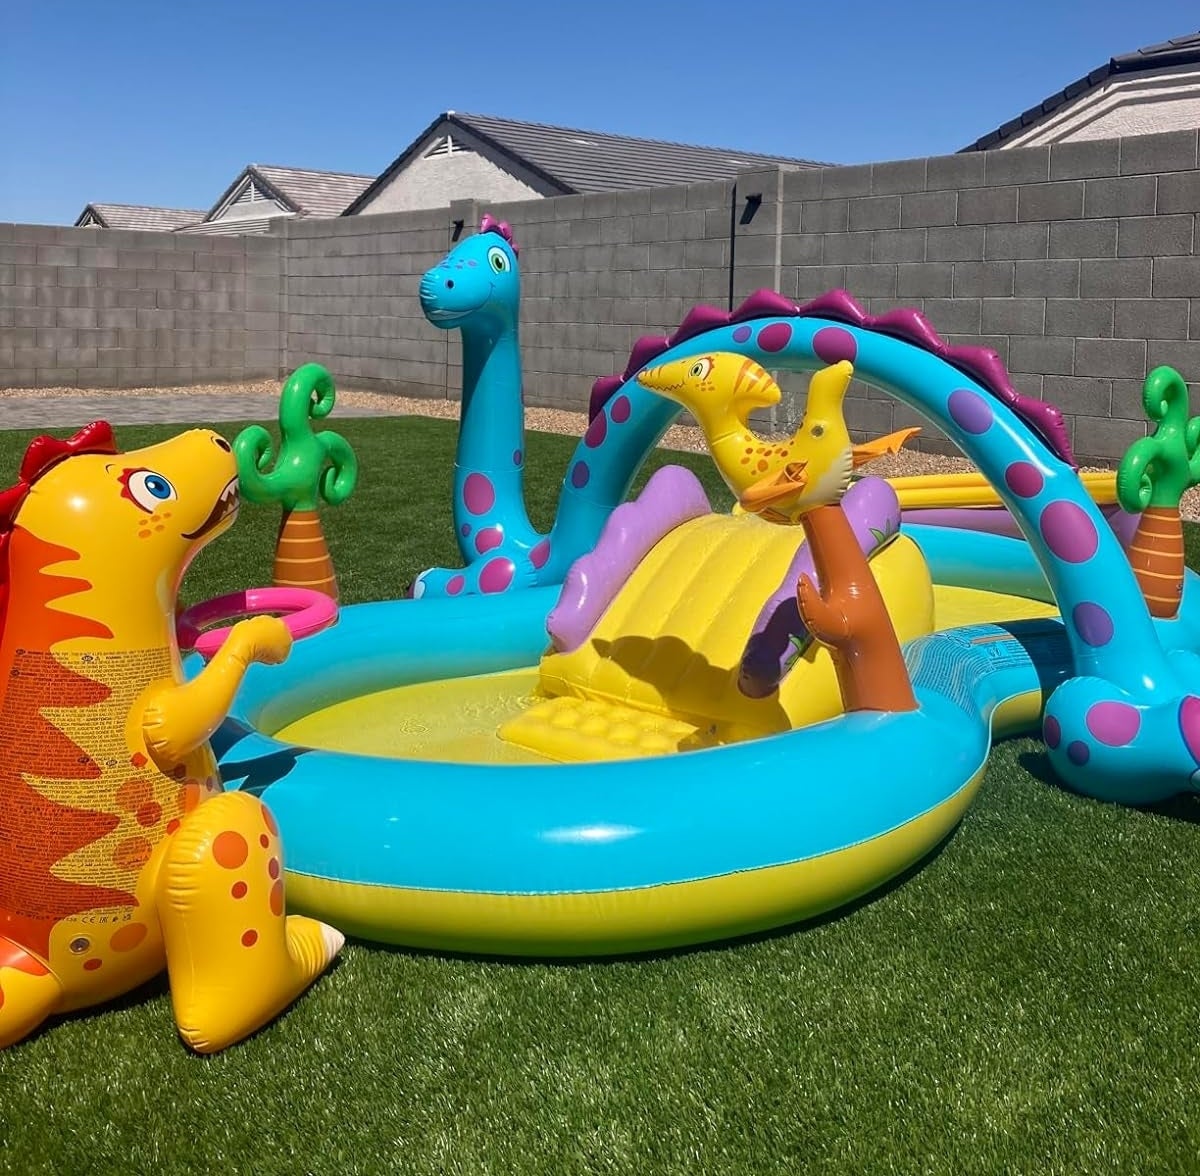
(1076, 262)
(108, 308)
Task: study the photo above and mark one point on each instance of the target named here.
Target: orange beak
(770, 492)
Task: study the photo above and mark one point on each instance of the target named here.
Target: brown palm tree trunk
(1156, 556)
(301, 554)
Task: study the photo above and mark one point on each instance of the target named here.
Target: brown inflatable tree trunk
(1156, 556)
(301, 554)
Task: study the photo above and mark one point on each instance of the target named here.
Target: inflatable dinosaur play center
(655, 724)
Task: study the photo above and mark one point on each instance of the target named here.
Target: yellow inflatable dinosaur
(722, 389)
(119, 852)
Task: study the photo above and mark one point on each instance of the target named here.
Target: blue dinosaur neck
(490, 457)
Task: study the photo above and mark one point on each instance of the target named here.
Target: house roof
(141, 216)
(300, 190)
(569, 160)
(1183, 50)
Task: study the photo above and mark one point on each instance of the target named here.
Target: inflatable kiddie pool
(617, 818)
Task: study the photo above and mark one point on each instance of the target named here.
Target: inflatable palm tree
(1152, 478)
(311, 467)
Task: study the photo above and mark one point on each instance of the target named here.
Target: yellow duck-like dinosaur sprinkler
(802, 481)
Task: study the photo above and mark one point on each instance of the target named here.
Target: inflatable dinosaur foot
(234, 960)
(1105, 743)
(29, 993)
(497, 571)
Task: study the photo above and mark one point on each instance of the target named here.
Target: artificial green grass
(1023, 1002)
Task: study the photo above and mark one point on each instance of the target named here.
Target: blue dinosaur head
(477, 278)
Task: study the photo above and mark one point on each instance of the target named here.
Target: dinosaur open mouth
(226, 505)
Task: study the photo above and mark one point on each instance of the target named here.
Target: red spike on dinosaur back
(46, 451)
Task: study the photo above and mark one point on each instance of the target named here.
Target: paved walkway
(64, 412)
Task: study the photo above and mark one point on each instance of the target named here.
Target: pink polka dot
(497, 575)
(580, 475)
(488, 538)
(540, 554)
(1092, 623)
(970, 411)
(1189, 725)
(621, 408)
(741, 334)
(455, 585)
(596, 431)
(833, 344)
(1024, 479)
(1078, 753)
(775, 337)
(1052, 732)
(1114, 723)
(1068, 532)
(479, 495)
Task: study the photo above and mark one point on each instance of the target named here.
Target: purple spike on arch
(698, 320)
(904, 323)
(763, 304)
(489, 224)
(602, 391)
(644, 350)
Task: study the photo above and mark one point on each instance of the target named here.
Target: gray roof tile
(1183, 50)
(570, 160)
(142, 216)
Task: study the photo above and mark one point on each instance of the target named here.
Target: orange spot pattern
(91, 965)
(132, 853)
(249, 938)
(277, 899)
(230, 850)
(128, 937)
(239, 890)
(149, 814)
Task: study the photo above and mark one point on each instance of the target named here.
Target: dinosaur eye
(818, 430)
(498, 260)
(700, 368)
(148, 489)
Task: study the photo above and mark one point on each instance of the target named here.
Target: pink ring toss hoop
(304, 610)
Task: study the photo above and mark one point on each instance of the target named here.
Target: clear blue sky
(155, 102)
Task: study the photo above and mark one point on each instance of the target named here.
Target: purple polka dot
(488, 538)
(472, 262)
(596, 431)
(1092, 623)
(455, 585)
(833, 344)
(540, 554)
(580, 475)
(479, 495)
(970, 412)
(496, 575)
(1189, 725)
(1078, 753)
(741, 334)
(621, 408)
(1024, 479)
(1052, 732)
(517, 456)
(775, 337)
(465, 529)
(1114, 723)
(1068, 532)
